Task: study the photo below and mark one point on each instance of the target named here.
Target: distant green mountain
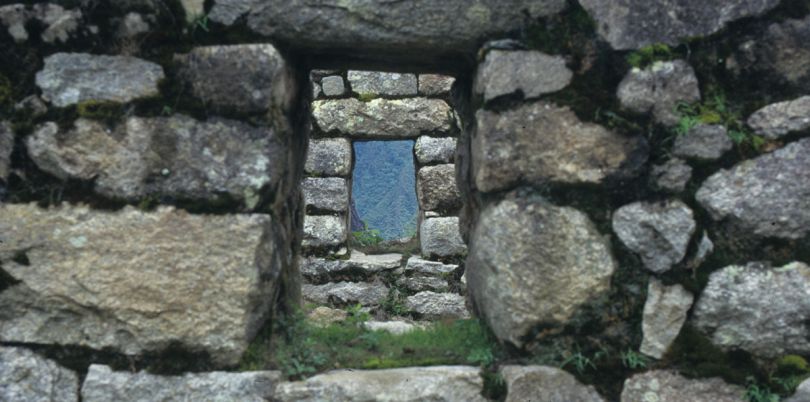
(384, 187)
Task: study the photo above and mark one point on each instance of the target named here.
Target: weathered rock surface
(658, 232)
(436, 306)
(245, 78)
(175, 156)
(767, 195)
(802, 393)
(71, 78)
(659, 89)
(26, 376)
(758, 309)
(703, 142)
(374, 262)
(204, 282)
(545, 384)
(435, 150)
(324, 316)
(6, 146)
(672, 176)
(778, 119)
(382, 83)
(103, 384)
(780, 54)
(542, 142)
(532, 73)
(324, 231)
(193, 8)
(58, 23)
(326, 193)
(436, 188)
(422, 283)
(418, 265)
(435, 84)
(632, 24)
(664, 314)
(437, 383)
(534, 263)
(333, 85)
(668, 386)
(329, 157)
(346, 293)
(314, 267)
(383, 118)
(440, 237)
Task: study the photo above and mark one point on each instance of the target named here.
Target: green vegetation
(109, 112)
(759, 393)
(580, 362)
(367, 237)
(634, 360)
(648, 55)
(366, 97)
(716, 110)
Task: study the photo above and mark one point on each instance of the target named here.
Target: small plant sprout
(634, 360)
(579, 361)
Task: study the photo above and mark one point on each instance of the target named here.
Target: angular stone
(703, 142)
(421, 283)
(767, 195)
(103, 384)
(131, 26)
(436, 383)
(326, 193)
(664, 314)
(333, 85)
(393, 327)
(6, 147)
(71, 78)
(668, 386)
(374, 262)
(26, 376)
(658, 232)
(779, 119)
(376, 83)
(440, 237)
(435, 84)
(313, 267)
(532, 73)
(632, 24)
(672, 176)
(251, 78)
(418, 265)
(545, 384)
(534, 263)
(175, 156)
(324, 231)
(435, 150)
(329, 157)
(384, 118)
(346, 293)
(659, 89)
(758, 309)
(436, 188)
(203, 282)
(435, 306)
(542, 142)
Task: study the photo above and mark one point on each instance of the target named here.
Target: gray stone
(6, 147)
(780, 55)
(103, 384)
(204, 282)
(333, 85)
(374, 262)
(32, 105)
(313, 267)
(534, 263)
(542, 142)
(659, 89)
(376, 83)
(329, 157)
(802, 393)
(324, 231)
(440, 237)
(703, 142)
(532, 73)
(346, 293)
(436, 188)
(758, 309)
(393, 327)
(71, 78)
(672, 176)
(418, 265)
(437, 383)
(632, 24)
(323, 316)
(132, 25)
(228, 11)
(26, 376)
(779, 119)
(58, 23)
(767, 195)
(435, 306)
(245, 78)
(326, 193)
(668, 386)
(174, 156)
(664, 314)
(14, 17)
(421, 283)
(659, 232)
(316, 90)
(384, 118)
(435, 84)
(435, 150)
(705, 248)
(545, 384)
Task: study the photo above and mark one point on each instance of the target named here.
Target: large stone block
(529, 72)
(440, 237)
(383, 118)
(326, 193)
(533, 263)
(436, 188)
(329, 157)
(324, 231)
(435, 150)
(26, 376)
(342, 294)
(137, 281)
